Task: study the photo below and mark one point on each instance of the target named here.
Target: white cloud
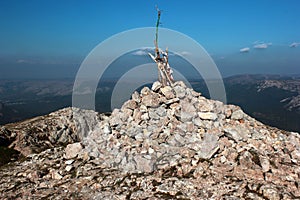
(24, 61)
(145, 50)
(148, 48)
(245, 50)
(295, 44)
(261, 46)
(140, 53)
(62, 60)
(258, 42)
(183, 53)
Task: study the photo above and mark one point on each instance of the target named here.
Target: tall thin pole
(156, 34)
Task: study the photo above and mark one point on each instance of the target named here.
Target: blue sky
(50, 39)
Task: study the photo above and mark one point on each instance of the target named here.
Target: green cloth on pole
(157, 24)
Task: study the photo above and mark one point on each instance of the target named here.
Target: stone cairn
(163, 143)
(167, 142)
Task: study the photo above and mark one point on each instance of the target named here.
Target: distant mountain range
(272, 99)
(163, 143)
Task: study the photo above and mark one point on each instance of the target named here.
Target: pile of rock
(165, 143)
(59, 128)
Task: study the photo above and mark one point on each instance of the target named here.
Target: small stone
(69, 168)
(271, 193)
(64, 137)
(198, 122)
(236, 134)
(72, 150)
(43, 185)
(196, 94)
(185, 116)
(237, 115)
(265, 164)
(69, 162)
(180, 83)
(137, 114)
(143, 109)
(153, 114)
(148, 157)
(151, 100)
(126, 114)
(182, 127)
(143, 164)
(223, 159)
(145, 116)
(227, 112)
(151, 151)
(190, 126)
(107, 129)
(145, 91)
(179, 138)
(179, 91)
(130, 104)
(161, 111)
(209, 146)
(188, 107)
(115, 120)
(167, 92)
(204, 106)
(296, 156)
(55, 175)
(33, 176)
(133, 130)
(170, 101)
(208, 115)
(156, 86)
(136, 97)
(84, 156)
(139, 137)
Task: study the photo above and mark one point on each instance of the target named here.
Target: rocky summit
(163, 143)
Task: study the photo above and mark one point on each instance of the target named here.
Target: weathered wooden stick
(164, 69)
